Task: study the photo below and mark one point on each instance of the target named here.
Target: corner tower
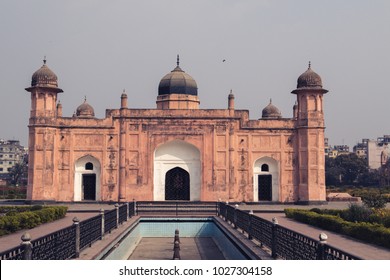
(310, 138)
(42, 134)
(177, 90)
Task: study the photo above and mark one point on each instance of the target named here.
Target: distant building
(361, 149)
(378, 152)
(11, 152)
(336, 150)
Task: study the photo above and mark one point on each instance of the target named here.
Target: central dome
(177, 82)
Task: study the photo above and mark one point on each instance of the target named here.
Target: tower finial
(178, 60)
(309, 64)
(85, 98)
(44, 59)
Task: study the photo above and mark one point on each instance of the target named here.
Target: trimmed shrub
(373, 233)
(29, 219)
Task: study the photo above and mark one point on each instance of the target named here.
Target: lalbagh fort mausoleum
(176, 151)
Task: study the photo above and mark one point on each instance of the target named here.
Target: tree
(353, 168)
(332, 172)
(18, 172)
(384, 173)
(346, 170)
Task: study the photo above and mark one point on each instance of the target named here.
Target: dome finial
(44, 60)
(270, 100)
(85, 98)
(309, 64)
(178, 60)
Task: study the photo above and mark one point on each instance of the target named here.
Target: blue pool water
(165, 227)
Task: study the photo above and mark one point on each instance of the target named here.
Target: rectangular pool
(147, 227)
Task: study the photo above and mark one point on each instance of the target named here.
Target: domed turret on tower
(177, 90)
(309, 80)
(85, 110)
(44, 77)
(271, 112)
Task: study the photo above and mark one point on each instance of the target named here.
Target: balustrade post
(102, 221)
(176, 251)
(226, 211)
(235, 216)
(76, 224)
(250, 225)
(321, 246)
(177, 237)
(26, 246)
(274, 237)
(117, 215)
(127, 211)
(135, 207)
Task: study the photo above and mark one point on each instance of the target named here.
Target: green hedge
(30, 219)
(372, 233)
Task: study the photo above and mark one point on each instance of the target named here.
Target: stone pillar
(235, 215)
(321, 246)
(274, 238)
(76, 223)
(102, 220)
(250, 225)
(117, 214)
(177, 237)
(26, 246)
(176, 251)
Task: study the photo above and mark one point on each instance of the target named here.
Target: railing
(283, 242)
(59, 245)
(68, 242)
(110, 220)
(90, 231)
(176, 208)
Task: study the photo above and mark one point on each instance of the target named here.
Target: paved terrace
(85, 211)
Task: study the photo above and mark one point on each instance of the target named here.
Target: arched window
(265, 168)
(89, 166)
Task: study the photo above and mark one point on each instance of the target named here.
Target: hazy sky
(98, 48)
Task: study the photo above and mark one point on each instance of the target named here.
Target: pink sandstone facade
(176, 151)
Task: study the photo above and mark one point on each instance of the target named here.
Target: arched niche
(87, 179)
(175, 154)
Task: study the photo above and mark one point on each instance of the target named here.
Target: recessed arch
(87, 179)
(266, 179)
(176, 154)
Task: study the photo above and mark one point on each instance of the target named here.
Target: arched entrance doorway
(266, 180)
(176, 166)
(87, 179)
(177, 184)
